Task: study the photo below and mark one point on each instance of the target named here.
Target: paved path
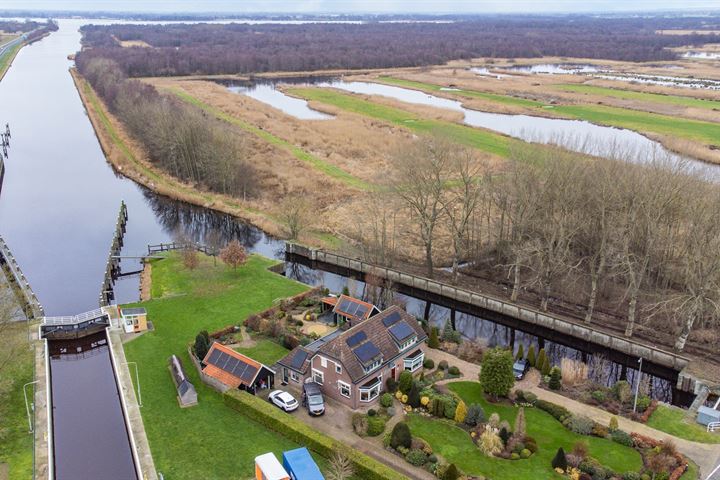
(707, 456)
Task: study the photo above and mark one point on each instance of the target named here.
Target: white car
(283, 400)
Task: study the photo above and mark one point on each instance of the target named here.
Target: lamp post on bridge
(137, 380)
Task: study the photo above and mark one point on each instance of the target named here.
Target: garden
(485, 430)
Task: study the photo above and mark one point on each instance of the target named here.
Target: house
(235, 370)
(352, 365)
(134, 319)
(349, 310)
(187, 396)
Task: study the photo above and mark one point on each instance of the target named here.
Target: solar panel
(298, 359)
(367, 352)
(401, 331)
(345, 305)
(238, 369)
(214, 357)
(248, 374)
(361, 310)
(183, 388)
(356, 339)
(391, 319)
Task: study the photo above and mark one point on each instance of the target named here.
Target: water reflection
(270, 95)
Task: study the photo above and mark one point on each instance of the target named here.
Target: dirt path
(146, 282)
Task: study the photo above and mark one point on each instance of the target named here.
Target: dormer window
(408, 343)
(369, 368)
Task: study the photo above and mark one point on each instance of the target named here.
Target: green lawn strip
(473, 137)
(642, 96)
(692, 472)
(7, 58)
(644, 122)
(16, 444)
(675, 422)
(493, 97)
(456, 446)
(315, 162)
(264, 351)
(209, 440)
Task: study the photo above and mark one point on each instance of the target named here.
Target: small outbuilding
(300, 465)
(187, 396)
(707, 415)
(134, 319)
(267, 467)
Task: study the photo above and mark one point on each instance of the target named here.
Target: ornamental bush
(416, 457)
(559, 461)
(496, 375)
(460, 412)
(451, 473)
(400, 436)
(429, 363)
(406, 382)
(454, 370)
(375, 426)
(581, 425)
(386, 400)
(443, 365)
(555, 377)
(475, 415)
(391, 385)
(621, 437)
(559, 412)
(613, 424)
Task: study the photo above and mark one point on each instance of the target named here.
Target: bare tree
(341, 468)
(190, 258)
(296, 212)
(378, 229)
(419, 179)
(233, 254)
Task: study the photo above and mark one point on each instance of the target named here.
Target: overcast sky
(361, 6)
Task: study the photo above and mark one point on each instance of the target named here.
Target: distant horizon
(360, 7)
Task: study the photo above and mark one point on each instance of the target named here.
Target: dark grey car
(312, 399)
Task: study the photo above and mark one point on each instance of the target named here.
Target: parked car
(519, 368)
(313, 399)
(283, 400)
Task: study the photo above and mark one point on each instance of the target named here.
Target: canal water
(58, 208)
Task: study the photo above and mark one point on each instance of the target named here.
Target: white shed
(267, 467)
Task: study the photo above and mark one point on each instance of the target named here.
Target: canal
(58, 207)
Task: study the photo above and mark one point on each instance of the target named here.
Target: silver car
(283, 400)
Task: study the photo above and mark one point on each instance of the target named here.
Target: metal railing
(167, 247)
(713, 427)
(31, 305)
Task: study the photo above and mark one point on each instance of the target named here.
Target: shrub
(460, 412)
(613, 425)
(433, 342)
(416, 457)
(375, 426)
(520, 426)
(429, 363)
(504, 435)
(559, 412)
(546, 370)
(531, 356)
(404, 398)
(449, 407)
(202, 344)
(559, 461)
(406, 382)
(514, 456)
(414, 395)
(454, 370)
(631, 476)
(622, 391)
(621, 437)
(475, 415)
(372, 412)
(581, 425)
(490, 442)
(398, 394)
(531, 444)
(643, 402)
(432, 458)
(494, 420)
(424, 401)
(496, 375)
(525, 453)
(400, 436)
(360, 424)
(451, 473)
(299, 432)
(540, 359)
(600, 430)
(443, 365)
(599, 396)
(386, 400)
(391, 385)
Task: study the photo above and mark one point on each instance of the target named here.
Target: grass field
(673, 421)
(306, 157)
(7, 58)
(16, 444)
(473, 137)
(430, 87)
(264, 351)
(455, 444)
(642, 96)
(208, 440)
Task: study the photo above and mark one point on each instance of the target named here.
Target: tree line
(642, 237)
(178, 137)
(187, 49)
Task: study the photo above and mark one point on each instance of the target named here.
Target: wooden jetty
(112, 266)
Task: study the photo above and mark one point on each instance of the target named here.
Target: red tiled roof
(330, 301)
(367, 308)
(217, 371)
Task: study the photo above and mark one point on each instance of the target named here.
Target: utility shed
(707, 415)
(187, 396)
(267, 467)
(300, 465)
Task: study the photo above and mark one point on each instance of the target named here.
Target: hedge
(268, 415)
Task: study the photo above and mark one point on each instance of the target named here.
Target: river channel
(58, 208)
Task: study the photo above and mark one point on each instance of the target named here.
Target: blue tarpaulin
(300, 465)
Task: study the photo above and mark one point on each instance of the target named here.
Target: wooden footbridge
(168, 247)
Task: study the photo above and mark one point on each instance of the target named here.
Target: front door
(285, 375)
(393, 373)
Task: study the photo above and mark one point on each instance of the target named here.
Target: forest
(14, 26)
(178, 137)
(188, 49)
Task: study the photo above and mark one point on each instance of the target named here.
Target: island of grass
(456, 445)
(209, 440)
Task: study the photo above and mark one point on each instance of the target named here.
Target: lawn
(315, 162)
(673, 421)
(264, 351)
(455, 444)
(431, 87)
(7, 58)
(473, 137)
(16, 444)
(208, 440)
(642, 96)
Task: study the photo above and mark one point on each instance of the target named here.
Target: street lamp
(637, 385)
(137, 381)
(27, 405)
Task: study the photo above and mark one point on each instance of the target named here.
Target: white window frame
(321, 374)
(377, 363)
(413, 364)
(323, 362)
(294, 376)
(377, 388)
(338, 368)
(408, 343)
(342, 384)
